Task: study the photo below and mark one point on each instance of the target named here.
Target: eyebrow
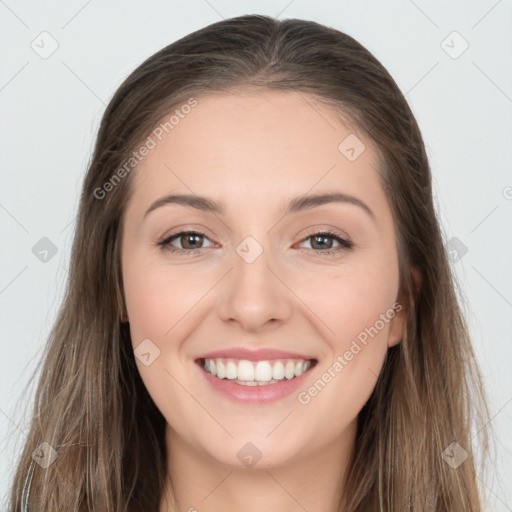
(297, 204)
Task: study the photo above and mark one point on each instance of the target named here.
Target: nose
(254, 294)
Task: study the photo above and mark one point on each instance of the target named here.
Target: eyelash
(344, 244)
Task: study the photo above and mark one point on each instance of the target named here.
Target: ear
(398, 322)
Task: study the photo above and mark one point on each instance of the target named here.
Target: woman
(260, 313)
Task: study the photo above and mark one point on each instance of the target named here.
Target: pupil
(324, 238)
(191, 237)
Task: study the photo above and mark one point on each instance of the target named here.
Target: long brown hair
(91, 405)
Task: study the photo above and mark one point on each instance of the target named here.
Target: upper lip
(262, 354)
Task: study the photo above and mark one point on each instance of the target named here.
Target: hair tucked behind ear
(91, 405)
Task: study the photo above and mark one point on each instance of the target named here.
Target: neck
(313, 481)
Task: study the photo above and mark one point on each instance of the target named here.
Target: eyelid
(341, 239)
(165, 242)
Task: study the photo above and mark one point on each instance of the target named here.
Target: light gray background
(51, 110)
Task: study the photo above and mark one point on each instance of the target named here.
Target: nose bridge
(253, 294)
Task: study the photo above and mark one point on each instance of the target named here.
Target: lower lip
(255, 394)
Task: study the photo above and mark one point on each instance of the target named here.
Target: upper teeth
(262, 371)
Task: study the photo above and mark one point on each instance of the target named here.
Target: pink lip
(263, 354)
(255, 394)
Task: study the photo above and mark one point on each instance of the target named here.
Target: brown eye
(322, 243)
(189, 242)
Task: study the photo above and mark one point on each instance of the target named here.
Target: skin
(254, 151)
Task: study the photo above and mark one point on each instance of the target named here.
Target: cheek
(157, 297)
(351, 300)
(357, 305)
(144, 300)
(160, 303)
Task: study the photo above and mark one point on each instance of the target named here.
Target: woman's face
(254, 290)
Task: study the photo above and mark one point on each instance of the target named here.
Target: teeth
(254, 383)
(254, 373)
(231, 370)
(221, 369)
(289, 370)
(245, 370)
(263, 371)
(278, 371)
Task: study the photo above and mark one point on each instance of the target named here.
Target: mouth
(243, 372)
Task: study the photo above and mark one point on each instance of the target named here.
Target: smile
(255, 382)
(254, 373)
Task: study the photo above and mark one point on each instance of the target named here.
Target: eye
(190, 242)
(321, 240)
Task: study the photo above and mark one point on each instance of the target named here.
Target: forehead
(258, 145)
